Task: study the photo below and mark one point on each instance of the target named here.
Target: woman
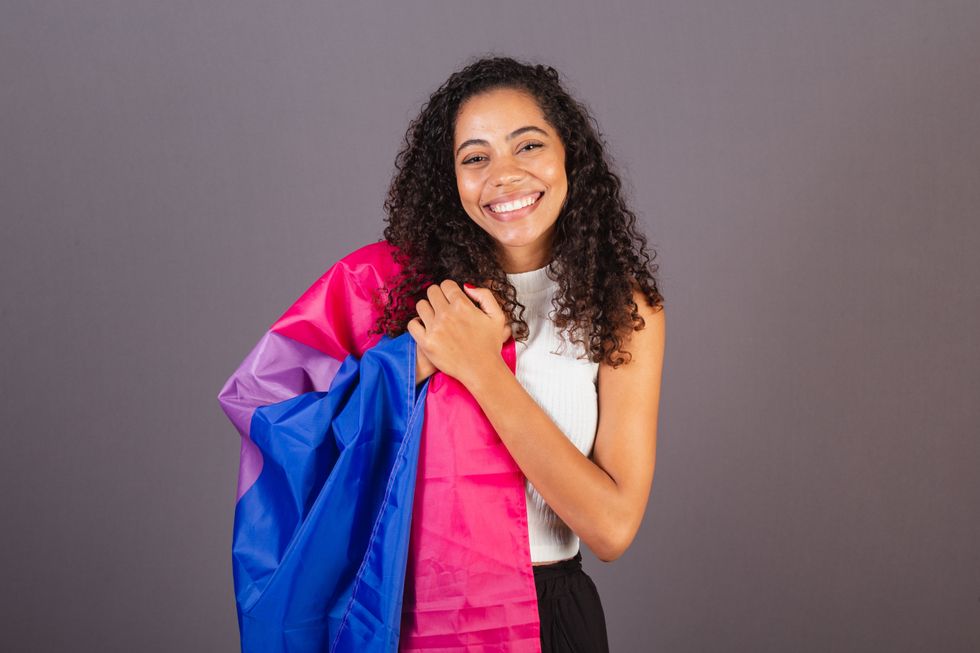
(503, 185)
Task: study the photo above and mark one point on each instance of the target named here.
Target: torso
(563, 381)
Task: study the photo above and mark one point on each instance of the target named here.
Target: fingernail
(468, 285)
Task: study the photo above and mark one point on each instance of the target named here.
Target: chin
(521, 233)
(517, 240)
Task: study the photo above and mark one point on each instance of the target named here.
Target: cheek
(555, 173)
(469, 190)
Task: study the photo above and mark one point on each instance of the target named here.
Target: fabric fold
(371, 515)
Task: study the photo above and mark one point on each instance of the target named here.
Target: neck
(515, 262)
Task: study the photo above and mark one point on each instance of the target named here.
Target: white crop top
(565, 387)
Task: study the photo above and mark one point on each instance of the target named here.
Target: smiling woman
(431, 490)
(515, 240)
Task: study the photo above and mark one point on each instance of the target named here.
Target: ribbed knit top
(563, 381)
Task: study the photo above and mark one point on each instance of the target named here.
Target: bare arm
(602, 500)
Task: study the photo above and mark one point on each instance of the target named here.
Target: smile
(514, 209)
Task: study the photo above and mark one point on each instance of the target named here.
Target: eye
(472, 159)
(534, 145)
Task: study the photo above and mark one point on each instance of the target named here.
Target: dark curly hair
(598, 256)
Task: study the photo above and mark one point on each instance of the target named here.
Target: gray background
(174, 174)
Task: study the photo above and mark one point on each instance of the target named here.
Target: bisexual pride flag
(371, 515)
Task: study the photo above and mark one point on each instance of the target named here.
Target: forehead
(498, 112)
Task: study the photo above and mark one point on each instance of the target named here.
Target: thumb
(483, 297)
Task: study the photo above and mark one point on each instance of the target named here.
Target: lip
(513, 215)
(509, 197)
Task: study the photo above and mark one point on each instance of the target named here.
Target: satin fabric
(371, 516)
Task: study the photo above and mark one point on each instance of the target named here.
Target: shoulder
(337, 313)
(647, 343)
(654, 323)
(648, 311)
(371, 265)
(380, 254)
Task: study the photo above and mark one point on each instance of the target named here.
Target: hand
(460, 332)
(423, 366)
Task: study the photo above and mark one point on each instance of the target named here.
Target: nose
(506, 173)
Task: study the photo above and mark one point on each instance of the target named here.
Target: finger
(485, 300)
(416, 328)
(425, 311)
(437, 298)
(452, 291)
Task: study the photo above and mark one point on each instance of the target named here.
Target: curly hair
(598, 255)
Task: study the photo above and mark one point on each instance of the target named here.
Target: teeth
(516, 204)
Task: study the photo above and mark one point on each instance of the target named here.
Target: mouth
(515, 209)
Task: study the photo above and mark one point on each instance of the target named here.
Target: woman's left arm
(601, 499)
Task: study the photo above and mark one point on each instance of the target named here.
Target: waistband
(560, 568)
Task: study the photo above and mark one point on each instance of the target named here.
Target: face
(510, 172)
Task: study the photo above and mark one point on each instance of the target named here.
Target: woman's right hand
(424, 367)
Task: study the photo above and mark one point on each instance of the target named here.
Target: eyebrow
(513, 134)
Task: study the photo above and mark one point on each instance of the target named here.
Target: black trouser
(572, 620)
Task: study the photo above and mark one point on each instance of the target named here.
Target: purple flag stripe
(277, 369)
